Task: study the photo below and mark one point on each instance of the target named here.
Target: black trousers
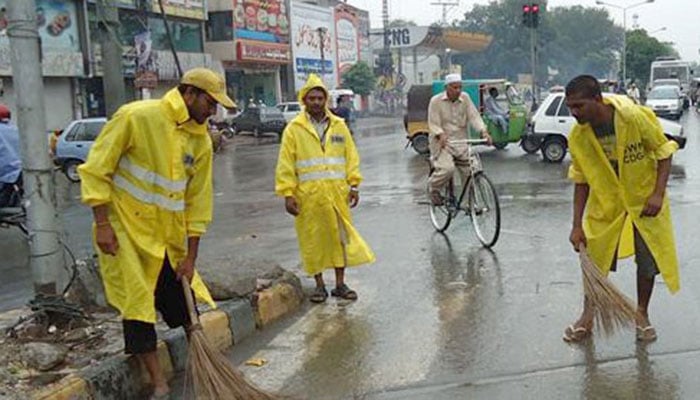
(140, 337)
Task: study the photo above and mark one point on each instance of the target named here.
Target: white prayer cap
(452, 78)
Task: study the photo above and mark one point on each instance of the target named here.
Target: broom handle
(194, 318)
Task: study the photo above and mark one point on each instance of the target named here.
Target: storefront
(251, 40)
(186, 21)
(62, 43)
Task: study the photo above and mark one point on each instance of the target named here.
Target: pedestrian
(148, 179)
(495, 112)
(343, 111)
(449, 115)
(10, 161)
(633, 93)
(621, 161)
(318, 174)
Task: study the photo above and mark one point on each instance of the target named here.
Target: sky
(681, 18)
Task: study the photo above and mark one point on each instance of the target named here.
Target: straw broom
(210, 373)
(611, 308)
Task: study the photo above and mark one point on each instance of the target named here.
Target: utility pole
(446, 6)
(45, 255)
(321, 38)
(112, 77)
(531, 20)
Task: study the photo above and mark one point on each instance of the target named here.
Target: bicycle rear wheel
(484, 209)
(441, 216)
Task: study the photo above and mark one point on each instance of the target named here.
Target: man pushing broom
(621, 162)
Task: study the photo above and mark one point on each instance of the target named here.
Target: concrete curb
(123, 377)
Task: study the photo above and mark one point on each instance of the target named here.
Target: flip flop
(575, 335)
(646, 334)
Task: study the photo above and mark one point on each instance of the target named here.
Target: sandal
(344, 292)
(320, 295)
(436, 199)
(576, 334)
(646, 334)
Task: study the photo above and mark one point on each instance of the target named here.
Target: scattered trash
(256, 362)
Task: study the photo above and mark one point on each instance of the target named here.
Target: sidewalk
(92, 366)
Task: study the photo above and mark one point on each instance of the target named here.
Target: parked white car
(289, 109)
(666, 101)
(553, 122)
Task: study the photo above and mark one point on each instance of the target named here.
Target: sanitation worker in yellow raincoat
(318, 174)
(148, 179)
(621, 161)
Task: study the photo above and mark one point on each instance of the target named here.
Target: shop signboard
(58, 27)
(146, 68)
(261, 20)
(195, 9)
(311, 28)
(261, 52)
(363, 32)
(347, 40)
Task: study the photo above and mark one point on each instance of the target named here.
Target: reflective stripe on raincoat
(319, 177)
(615, 204)
(152, 166)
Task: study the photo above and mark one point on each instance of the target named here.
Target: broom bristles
(212, 376)
(612, 309)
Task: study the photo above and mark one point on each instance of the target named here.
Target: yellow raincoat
(152, 165)
(319, 177)
(614, 204)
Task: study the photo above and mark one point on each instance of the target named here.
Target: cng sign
(404, 37)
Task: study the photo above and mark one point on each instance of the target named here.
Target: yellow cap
(211, 82)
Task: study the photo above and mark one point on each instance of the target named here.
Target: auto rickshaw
(416, 117)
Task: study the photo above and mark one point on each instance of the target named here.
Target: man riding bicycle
(449, 115)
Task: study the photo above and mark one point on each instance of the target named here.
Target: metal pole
(45, 256)
(624, 46)
(533, 63)
(323, 55)
(112, 77)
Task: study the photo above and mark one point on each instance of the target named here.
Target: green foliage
(571, 41)
(360, 79)
(642, 49)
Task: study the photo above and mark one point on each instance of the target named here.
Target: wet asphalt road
(439, 317)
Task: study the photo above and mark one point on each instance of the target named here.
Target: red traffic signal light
(526, 8)
(535, 8)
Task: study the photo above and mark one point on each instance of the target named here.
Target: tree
(642, 49)
(360, 79)
(571, 40)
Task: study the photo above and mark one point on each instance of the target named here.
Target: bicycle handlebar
(468, 141)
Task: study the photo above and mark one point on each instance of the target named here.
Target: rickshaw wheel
(500, 145)
(420, 143)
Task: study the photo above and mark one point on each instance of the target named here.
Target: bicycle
(481, 206)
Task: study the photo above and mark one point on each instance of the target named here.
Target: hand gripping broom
(210, 373)
(611, 308)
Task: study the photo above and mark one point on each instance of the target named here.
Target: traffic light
(527, 21)
(531, 15)
(535, 15)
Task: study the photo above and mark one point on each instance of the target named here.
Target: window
(187, 36)
(564, 110)
(85, 131)
(293, 107)
(552, 109)
(220, 26)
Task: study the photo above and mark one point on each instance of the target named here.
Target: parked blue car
(74, 145)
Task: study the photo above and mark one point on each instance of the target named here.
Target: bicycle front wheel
(440, 216)
(484, 209)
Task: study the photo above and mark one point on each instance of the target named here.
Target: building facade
(251, 40)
